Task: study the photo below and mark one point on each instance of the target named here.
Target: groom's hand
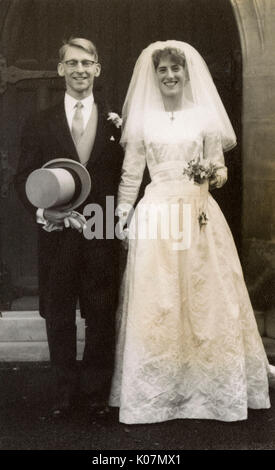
(55, 216)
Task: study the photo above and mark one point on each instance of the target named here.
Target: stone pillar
(256, 19)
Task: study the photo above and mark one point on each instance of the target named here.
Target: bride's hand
(219, 179)
(125, 238)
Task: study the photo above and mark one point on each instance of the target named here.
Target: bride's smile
(171, 78)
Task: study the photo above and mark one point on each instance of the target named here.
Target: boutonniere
(115, 118)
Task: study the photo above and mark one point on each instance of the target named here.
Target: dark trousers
(77, 270)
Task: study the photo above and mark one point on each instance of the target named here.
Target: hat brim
(83, 175)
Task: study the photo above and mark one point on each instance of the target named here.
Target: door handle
(14, 74)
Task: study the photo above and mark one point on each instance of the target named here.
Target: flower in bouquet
(200, 170)
(203, 219)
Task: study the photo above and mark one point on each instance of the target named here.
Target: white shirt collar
(70, 102)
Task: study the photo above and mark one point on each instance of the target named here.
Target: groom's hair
(81, 43)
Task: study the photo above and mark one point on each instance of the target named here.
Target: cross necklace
(171, 116)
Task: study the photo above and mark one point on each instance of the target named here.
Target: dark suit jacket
(46, 136)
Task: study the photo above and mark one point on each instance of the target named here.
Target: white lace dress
(188, 344)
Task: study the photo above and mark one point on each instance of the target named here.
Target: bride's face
(171, 78)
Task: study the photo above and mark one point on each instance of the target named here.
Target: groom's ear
(98, 70)
(60, 69)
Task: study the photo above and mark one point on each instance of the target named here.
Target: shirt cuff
(49, 227)
(40, 219)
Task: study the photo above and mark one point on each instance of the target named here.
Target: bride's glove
(75, 221)
(122, 231)
(219, 179)
(125, 239)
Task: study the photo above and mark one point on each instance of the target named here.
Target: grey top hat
(61, 183)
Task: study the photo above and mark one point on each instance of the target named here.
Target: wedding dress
(188, 344)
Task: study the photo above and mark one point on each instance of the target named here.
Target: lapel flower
(115, 118)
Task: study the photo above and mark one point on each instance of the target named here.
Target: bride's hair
(174, 54)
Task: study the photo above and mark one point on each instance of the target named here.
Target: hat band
(77, 182)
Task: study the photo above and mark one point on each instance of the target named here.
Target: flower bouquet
(200, 170)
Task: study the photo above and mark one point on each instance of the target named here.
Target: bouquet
(200, 170)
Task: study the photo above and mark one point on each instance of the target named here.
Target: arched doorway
(31, 33)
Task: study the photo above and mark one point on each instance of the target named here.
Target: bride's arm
(132, 173)
(213, 151)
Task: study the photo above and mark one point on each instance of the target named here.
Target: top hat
(61, 183)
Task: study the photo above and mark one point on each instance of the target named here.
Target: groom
(72, 267)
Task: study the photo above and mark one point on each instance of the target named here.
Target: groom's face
(79, 68)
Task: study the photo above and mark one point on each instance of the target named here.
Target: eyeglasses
(86, 64)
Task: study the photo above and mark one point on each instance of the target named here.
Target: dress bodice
(168, 145)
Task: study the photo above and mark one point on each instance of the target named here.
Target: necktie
(77, 124)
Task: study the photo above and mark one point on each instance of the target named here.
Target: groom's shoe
(99, 410)
(63, 406)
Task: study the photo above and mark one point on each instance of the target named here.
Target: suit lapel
(100, 137)
(59, 128)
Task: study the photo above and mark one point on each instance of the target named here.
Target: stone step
(23, 337)
(30, 351)
(29, 326)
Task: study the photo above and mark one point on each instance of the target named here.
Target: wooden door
(32, 32)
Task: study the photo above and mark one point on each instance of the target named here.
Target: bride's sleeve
(132, 173)
(213, 151)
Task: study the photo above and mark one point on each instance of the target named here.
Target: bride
(188, 344)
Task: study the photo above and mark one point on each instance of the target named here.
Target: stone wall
(256, 19)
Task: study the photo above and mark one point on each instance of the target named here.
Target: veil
(144, 97)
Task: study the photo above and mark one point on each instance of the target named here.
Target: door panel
(31, 33)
